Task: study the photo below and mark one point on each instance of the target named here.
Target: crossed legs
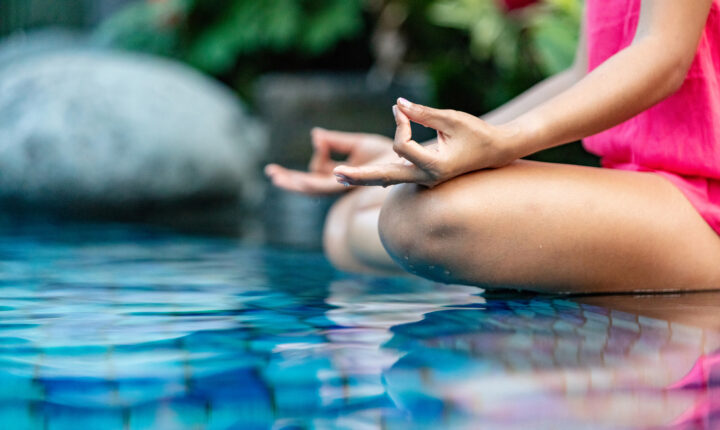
(537, 226)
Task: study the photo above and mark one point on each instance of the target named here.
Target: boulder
(112, 129)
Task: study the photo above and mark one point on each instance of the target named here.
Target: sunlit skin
(468, 211)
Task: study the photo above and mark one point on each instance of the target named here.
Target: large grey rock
(119, 130)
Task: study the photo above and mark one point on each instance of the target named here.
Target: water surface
(117, 327)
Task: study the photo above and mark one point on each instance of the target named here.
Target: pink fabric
(679, 138)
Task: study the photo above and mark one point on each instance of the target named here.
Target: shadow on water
(108, 326)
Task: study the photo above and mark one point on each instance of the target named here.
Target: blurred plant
(213, 35)
(494, 49)
(516, 33)
(478, 53)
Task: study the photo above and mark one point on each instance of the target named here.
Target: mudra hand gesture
(360, 149)
(465, 143)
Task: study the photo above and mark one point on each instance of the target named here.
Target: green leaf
(555, 38)
(219, 32)
(338, 20)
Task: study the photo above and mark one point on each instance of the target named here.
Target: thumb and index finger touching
(319, 179)
(418, 156)
(438, 119)
(325, 142)
(404, 146)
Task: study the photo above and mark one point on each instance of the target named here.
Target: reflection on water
(112, 327)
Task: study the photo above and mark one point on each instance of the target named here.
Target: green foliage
(541, 36)
(555, 34)
(477, 54)
(214, 34)
(486, 55)
(144, 27)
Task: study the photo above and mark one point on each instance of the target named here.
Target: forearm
(531, 98)
(624, 86)
(628, 83)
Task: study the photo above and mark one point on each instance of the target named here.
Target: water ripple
(114, 327)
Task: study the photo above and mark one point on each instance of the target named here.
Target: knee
(418, 227)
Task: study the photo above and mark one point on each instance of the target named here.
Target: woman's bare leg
(351, 237)
(553, 228)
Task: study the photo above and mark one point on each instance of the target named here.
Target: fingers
(407, 148)
(440, 120)
(323, 145)
(381, 174)
(302, 182)
(338, 141)
(326, 142)
(321, 153)
(403, 132)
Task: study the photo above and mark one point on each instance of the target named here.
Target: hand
(361, 149)
(465, 143)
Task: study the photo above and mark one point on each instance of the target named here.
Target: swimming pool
(117, 327)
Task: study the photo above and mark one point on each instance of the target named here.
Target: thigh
(553, 227)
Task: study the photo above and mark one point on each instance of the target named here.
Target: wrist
(522, 136)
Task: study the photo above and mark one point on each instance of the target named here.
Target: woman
(644, 94)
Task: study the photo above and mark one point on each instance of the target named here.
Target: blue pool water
(113, 327)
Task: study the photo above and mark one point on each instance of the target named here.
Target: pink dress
(679, 138)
